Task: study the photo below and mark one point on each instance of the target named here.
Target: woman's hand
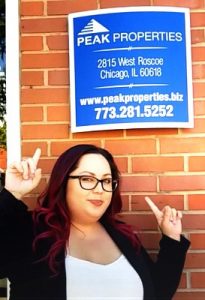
(22, 177)
(168, 219)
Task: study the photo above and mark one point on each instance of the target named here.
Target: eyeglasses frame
(98, 180)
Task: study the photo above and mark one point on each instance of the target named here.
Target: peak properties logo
(93, 33)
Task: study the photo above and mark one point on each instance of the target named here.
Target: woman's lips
(96, 202)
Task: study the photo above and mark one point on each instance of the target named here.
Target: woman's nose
(99, 188)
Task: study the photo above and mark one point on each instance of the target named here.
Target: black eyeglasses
(90, 182)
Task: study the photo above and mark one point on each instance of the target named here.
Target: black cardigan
(32, 280)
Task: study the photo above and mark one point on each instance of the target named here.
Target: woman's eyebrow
(93, 174)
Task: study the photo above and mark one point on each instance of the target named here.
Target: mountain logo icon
(93, 27)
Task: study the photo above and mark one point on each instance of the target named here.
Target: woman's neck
(86, 228)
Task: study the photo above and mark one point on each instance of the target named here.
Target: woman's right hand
(22, 177)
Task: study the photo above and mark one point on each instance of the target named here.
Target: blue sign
(130, 68)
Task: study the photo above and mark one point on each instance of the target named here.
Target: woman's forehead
(92, 162)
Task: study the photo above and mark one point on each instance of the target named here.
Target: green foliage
(2, 98)
(3, 135)
(2, 112)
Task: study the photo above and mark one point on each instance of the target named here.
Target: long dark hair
(52, 215)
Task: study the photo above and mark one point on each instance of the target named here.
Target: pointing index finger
(36, 156)
(153, 207)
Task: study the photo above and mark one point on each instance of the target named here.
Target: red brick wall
(167, 164)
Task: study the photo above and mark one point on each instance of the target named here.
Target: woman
(72, 246)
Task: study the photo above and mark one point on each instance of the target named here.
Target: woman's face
(87, 206)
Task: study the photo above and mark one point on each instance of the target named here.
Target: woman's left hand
(168, 219)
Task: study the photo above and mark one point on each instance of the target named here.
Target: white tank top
(90, 281)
